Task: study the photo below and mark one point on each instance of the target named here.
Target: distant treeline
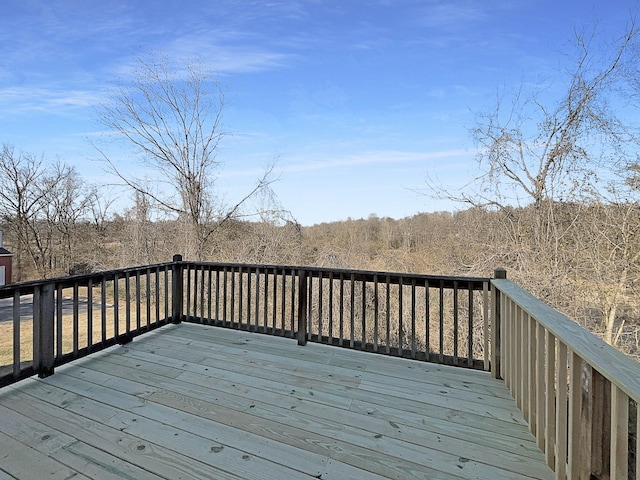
(580, 258)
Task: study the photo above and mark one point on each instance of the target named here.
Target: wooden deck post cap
(499, 273)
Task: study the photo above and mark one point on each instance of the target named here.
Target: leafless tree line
(40, 207)
(591, 272)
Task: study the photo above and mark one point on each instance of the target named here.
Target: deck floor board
(190, 401)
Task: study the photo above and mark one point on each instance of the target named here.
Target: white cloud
(382, 157)
(226, 58)
(21, 100)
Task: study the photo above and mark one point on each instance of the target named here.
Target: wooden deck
(191, 402)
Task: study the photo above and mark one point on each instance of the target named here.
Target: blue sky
(359, 101)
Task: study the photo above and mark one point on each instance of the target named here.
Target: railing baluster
(413, 318)
(363, 322)
(532, 369)
(331, 308)
(157, 293)
(202, 302)
(138, 300)
(427, 320)
(257, 300)
(575, 410)
(485, 329)
(209, 294)
(352, 315)
(441, 321)
(127, 299)
(320, 301)
(520, 362)
(76, 319)
(147, 284)
(103, 309)
(186, 274)
(249, 277)
(550, 399)
(292, 277)
(400, 318)
(303, 298)
(561, 412)
(89, 314)
(283, 301)
(376, 312)
(388, 306)
(341, 326)
(59, 323)
(240, 297)
(224, 297)
(266, 301)
(470, 326)
(274, 311)
(619, 433)
(456, 330)
(17, 325)
(194, 269)
(514, 345)
(510, 322)
(232, 300)
(540, 386)
(509, 327)
(166, 293)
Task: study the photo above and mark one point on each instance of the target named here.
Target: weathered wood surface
(198, 402)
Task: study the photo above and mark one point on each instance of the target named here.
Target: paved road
(26, 307)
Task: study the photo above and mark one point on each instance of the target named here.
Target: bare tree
(611, 262)
(173, 120)
(41, 205)
(545, 162)
(554, 152)
(66, 201)
(20, 198)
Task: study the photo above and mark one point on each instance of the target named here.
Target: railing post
(177, 284)
(498, 273)
(43, 330)
(303, 293)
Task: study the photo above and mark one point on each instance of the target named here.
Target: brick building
(6, 262)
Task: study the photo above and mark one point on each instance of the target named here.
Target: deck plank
(393, 371)
(67, 450)
(286, 428)
(189, 401)
(476, 412)
(23, 462)
(280, 406)
(243, 432)
(162, 461)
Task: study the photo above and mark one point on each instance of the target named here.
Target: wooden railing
(437, 319)
(47, 323)
(579, 395)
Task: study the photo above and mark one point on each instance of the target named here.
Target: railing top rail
(69, 281)
(448, 280)
(614, 365)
